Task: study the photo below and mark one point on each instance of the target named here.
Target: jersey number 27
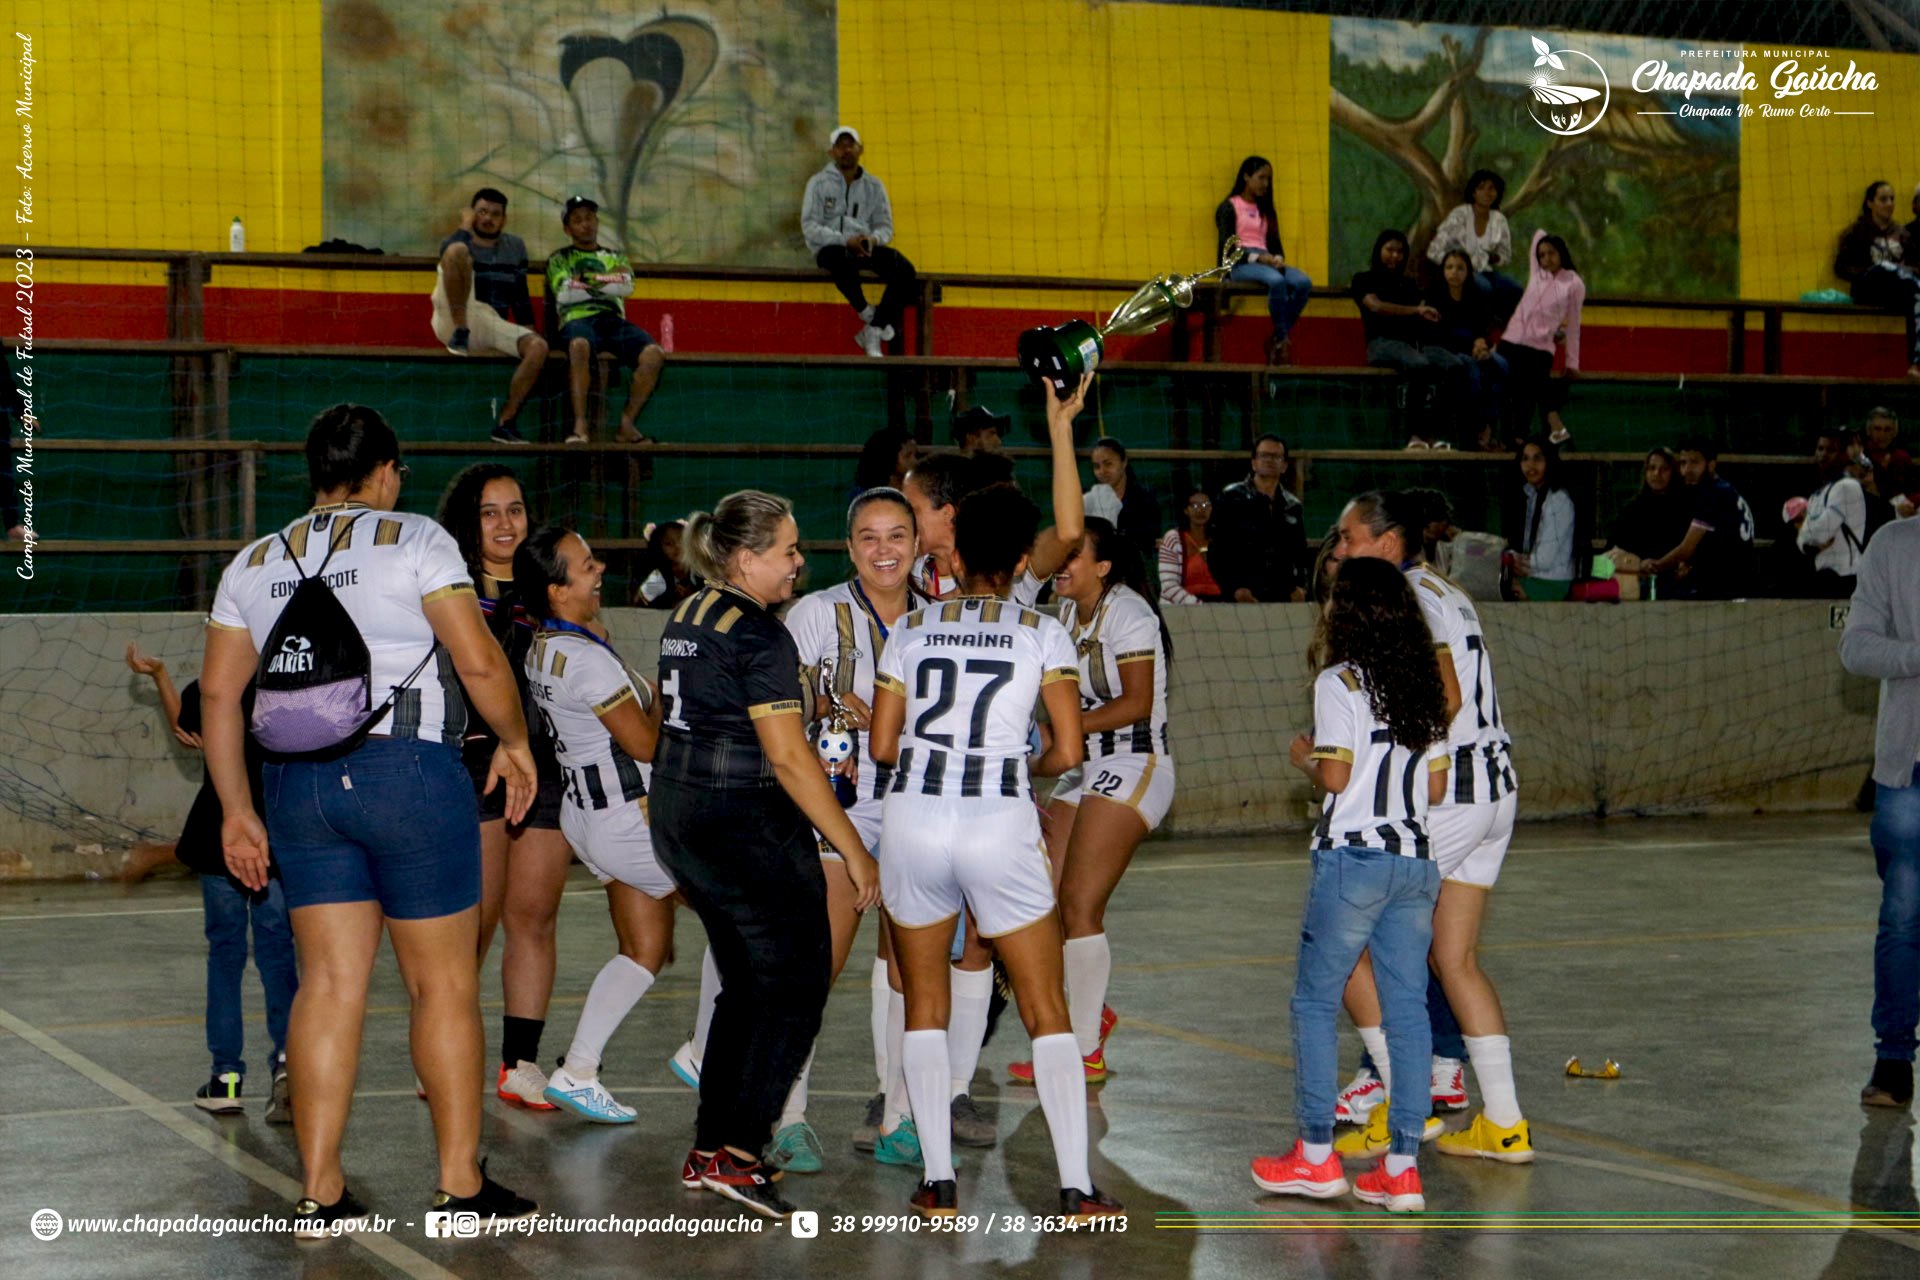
(947, 673)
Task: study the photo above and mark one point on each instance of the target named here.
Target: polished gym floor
(1725, 964)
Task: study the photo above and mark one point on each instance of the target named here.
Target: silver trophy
(835, 741)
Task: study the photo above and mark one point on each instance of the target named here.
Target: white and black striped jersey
(572, 679)
(1482, 754)
(1384, 805)
(840, 623)
(1123, 629)
(925, 578)
(970, 670)
(385, 567)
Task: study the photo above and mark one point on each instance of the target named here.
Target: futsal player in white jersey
(1471, 828)
(1100, 813)
(1379, 752)
(604, 723)
(953, 712)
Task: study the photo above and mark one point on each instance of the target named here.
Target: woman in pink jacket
(1548, 317)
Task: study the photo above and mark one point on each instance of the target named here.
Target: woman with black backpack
(359, 625)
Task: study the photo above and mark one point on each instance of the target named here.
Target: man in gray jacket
(1882, 641)
(848, 223)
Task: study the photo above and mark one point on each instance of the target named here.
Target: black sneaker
(1891, 1086)
(458, 342)
(315, 1221)
(749, 1183)
(221, 1095)
(491, 1201)
(280, 1105)
(867, 1134)
(1084, 1206)
(936, 1199)
(507, 433)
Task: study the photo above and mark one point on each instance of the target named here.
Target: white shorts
(486, 330)
(865, 816)
(1142, 783)
(1470, 840)
(938, 854)
(615, 844)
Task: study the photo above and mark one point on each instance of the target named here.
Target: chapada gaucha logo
(1559, 106)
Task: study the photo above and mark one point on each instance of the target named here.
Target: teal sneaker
(902, 1147)
(796, 1148)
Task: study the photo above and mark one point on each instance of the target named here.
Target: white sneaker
(685, 1067)
(525, 1084)
(869, 340)
(1357, 1101)
(587, 1099)
(886, 334)
(1449, 1084)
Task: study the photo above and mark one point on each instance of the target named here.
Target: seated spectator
(1248, 213)
(1872, 259)
(590, 285)
(1465, 321)
(1122, 500)
(1714, 560)
(1654, 519)
(662, 572)
(1543, 553)
(1832, 520)
(1548, 317)
(1438, 526)
(978, 431)
(1260, 541)
(848, 223)
(1477, 228)
(1391, 313)
(1185, 575)
(1893, 476)
(885, 459)
(480, 301)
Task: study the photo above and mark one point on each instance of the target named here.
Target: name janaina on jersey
(970, 639)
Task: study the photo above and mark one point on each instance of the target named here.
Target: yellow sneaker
(1485, 1140)
(1372, 1139)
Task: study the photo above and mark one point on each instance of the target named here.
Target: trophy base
(1058, 356)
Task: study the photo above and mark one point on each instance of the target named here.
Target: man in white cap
(848, 223)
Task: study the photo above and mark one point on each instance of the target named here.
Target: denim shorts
(391, 822)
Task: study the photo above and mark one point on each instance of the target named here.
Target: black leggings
(748, 863)
(1884, 286)
(1532, 390)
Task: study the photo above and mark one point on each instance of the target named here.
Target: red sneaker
(1108, 1020)
(1398, 1194)
(1095, 1063)
(1293, 1175)
(526, 1085)
(690, 1171)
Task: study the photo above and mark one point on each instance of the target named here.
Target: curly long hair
(459, 510)
(1373, 623)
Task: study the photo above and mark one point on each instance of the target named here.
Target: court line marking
(380, 1244)
(1674, 1170)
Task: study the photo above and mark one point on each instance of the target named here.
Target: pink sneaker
(1398, 1194)
(1292, 1175)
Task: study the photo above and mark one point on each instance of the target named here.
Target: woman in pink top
(1247, 212)
(1548, 316)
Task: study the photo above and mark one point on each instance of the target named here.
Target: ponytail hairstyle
(347, 443)
(1126, 570)
(1373, 624)
(879, 493)
(537, 565)
(747, 520)
(1402, 511)
(992, 529)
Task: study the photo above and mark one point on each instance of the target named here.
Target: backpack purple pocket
(302, 721)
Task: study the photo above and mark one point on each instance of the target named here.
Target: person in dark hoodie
(1872, 259)
(1396, 319)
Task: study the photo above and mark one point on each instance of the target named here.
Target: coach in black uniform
(737, 793)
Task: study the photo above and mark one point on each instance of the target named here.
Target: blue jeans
(1287, 291)
(1896, 950)
(1364, 900)
(1502, 292)
(229, 908)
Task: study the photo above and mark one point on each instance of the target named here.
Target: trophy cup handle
(1232, 253)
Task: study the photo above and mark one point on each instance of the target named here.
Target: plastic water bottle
(236, 237)
(666, 333)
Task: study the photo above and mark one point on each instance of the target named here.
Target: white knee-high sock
(971, 994)
(926, 1072)
(615, 991)
(1492, 1058)
(1376, 1041)
(1089, 965)
(899, 1106)
(1061, 1081)
(703, 1012)
(795, 1111)
(877, 989)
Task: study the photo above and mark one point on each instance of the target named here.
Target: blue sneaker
(685, 1067)
(796, 1148)
(902, 1147)
(587, 1099)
